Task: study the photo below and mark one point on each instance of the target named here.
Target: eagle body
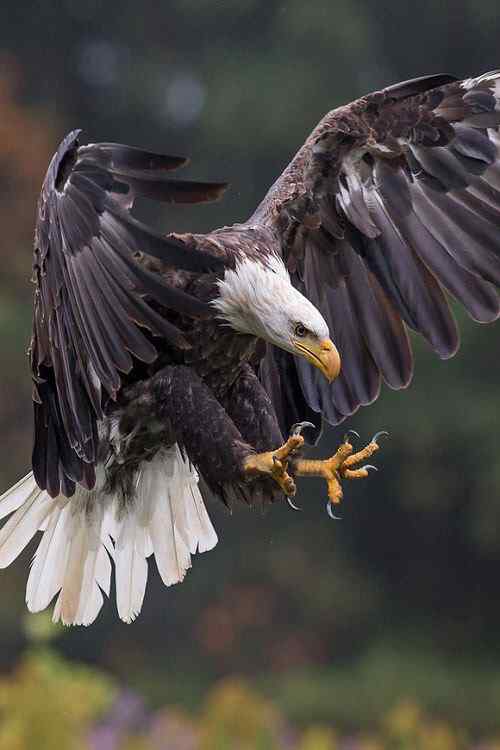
(167, 366)
(219, 362)
(224, 361)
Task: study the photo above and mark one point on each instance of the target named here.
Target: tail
(166, 518)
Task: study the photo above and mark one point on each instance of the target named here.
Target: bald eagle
(161, 360)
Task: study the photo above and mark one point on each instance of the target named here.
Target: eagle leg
(274, 463)
(342, 465)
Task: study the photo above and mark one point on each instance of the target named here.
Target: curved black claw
(379, 435)
(331, 513)
(368, 467)
(351, 432)
(292, 506)
(297, 428)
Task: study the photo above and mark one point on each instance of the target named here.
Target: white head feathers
(260, 299)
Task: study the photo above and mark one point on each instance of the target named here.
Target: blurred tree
(49, 704)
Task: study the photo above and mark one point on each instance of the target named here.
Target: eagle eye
(300, 330)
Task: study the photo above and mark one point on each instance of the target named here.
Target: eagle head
(258, 298)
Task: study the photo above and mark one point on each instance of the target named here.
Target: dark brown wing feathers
(90, 312)
(392, 200)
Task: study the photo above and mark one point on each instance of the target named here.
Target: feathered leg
(201, 425)
(223, 452)
(249, 405)
(251, 409)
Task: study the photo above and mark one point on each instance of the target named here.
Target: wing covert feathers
(91, 314)
(393, 201)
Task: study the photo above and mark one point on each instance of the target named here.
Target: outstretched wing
(90, 312)
(392, 200)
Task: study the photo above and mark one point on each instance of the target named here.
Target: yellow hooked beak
(322, 354)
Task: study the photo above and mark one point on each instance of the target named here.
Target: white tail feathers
(165, 517)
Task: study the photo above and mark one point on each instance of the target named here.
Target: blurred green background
(379, 631)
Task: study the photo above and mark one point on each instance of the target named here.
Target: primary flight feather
(159, 359)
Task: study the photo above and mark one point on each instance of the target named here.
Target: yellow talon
(342, 465)
(361, 455)
(275, 464)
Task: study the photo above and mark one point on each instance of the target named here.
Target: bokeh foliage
(337, 624)
(48, 703)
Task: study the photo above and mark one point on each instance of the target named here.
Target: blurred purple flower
(127, 714)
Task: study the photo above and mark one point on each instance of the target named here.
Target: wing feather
(392, 201)
(92, 316)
